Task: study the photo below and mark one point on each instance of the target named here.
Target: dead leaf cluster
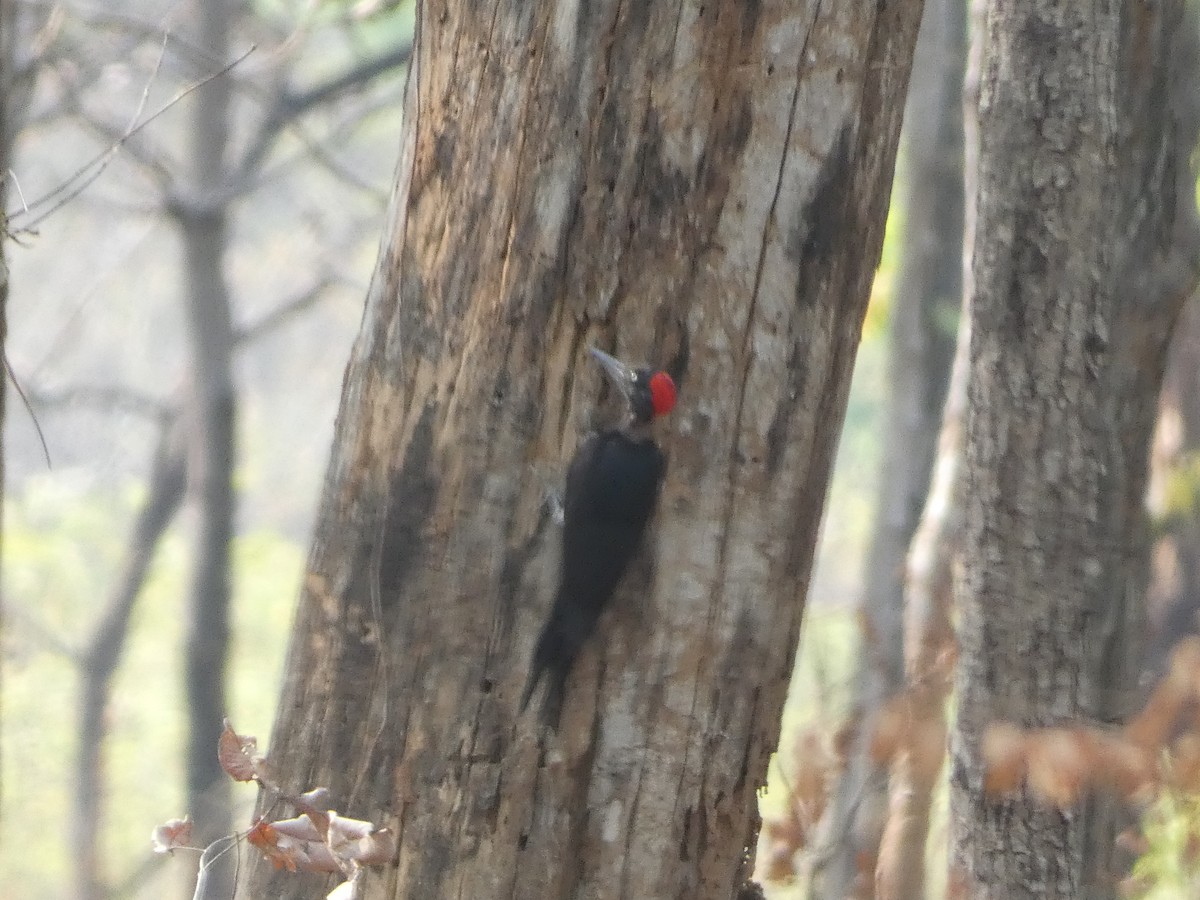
(316, 839)
(1159, 749)
(816, 760)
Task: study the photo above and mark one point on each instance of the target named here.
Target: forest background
(99, 338)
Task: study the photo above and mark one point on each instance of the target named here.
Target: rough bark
(201, 213)
(1085, 246)
(99, 660)
(702, 183)
(927, 296)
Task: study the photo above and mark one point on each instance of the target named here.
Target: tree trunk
(201, 214)
(103, 653)
(1174, 594)
(706, 185)
(926, 299)
(1084, 248)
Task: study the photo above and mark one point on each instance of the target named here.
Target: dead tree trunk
(1085, 245)
(927, 297)
(704, 183)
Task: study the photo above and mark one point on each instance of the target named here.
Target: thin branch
(289, 106)
(41, 632)
(93, 169)
(283, 313)
(12, 376)
(111, 151)
(106, 398)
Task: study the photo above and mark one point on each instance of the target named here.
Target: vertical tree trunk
(703, 183)
(1085, 245)
(1174, 595)
(927, 296)
(201, 214)
(101, 656)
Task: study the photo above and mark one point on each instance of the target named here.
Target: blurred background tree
(153, 307)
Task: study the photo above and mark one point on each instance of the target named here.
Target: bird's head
(650, 393)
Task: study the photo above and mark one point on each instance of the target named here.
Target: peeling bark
(702, 184)
(1085, 246)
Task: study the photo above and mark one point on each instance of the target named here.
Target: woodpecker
(612, 488)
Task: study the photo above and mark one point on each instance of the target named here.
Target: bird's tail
(553, 657)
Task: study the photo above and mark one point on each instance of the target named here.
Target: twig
(106, 397)
(100, 162)
(29, 409)
(105, 157)
(282, 313)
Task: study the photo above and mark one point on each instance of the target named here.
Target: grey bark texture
(924, 306)
(697, 183)
(1085, 245)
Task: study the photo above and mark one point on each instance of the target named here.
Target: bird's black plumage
(612, 488)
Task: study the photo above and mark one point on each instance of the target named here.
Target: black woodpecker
(612, 489)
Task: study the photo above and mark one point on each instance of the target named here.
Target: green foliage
(1169, 867)
(1181, 492)
(64, 539)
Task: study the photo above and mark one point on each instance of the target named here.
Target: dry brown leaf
(1126, 768)
(957, 884)
(263, 836)
(291, 846)
(1185, 665)
(301, 828)
(1134, 886)
(359, 841)
(1153, 725)
(788, 831)
(1191, 849)
(172, 835)
(1004, 758)
(1131, 840)
(889, 730)
(238, 755)
(1059, 764)
(814, 768)
(928, 749)
(1184, 765)
(779, 864)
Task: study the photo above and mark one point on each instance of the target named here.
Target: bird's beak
(621, 375)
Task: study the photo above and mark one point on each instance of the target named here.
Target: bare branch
(88, 173)
(12, 376)
(107, 398)
(285, 312)
(42, 633)
(288, 106)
